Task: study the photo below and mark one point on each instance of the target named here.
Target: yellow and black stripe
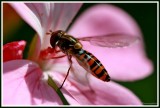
(97, 69)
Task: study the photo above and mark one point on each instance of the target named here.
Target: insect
(72, 47)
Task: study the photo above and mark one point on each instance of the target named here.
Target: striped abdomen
(92, 64)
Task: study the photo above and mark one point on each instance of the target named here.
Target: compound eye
(54, 38)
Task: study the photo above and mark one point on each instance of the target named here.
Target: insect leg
(51, 53)
(70, 61)
(56, 57)
(57, 50)
(59, 54)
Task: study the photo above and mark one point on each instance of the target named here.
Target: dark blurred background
(144, 13)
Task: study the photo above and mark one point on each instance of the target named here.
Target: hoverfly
(72, 47)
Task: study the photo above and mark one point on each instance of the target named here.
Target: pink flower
(25, 81)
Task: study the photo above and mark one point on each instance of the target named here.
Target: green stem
(54, 86)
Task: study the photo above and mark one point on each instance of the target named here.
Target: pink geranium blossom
(25, 81)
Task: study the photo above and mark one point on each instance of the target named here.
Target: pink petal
(28, 16)
(13, 50)
(97, 92)
(125, 64)
(43, 17)
(36, 15)
(113, 94)
(22, 85)
(90, 90)
(42, 12)
(59, 79)
(61, 15)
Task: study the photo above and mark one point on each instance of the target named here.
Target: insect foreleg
(56, 57)
(70, 61)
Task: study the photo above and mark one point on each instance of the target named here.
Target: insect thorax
(69, 44)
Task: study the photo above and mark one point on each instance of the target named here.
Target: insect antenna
(49, 33)
(70, 61)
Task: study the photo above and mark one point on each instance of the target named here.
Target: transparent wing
(112, 40)
(79, 73)
(79, 77)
